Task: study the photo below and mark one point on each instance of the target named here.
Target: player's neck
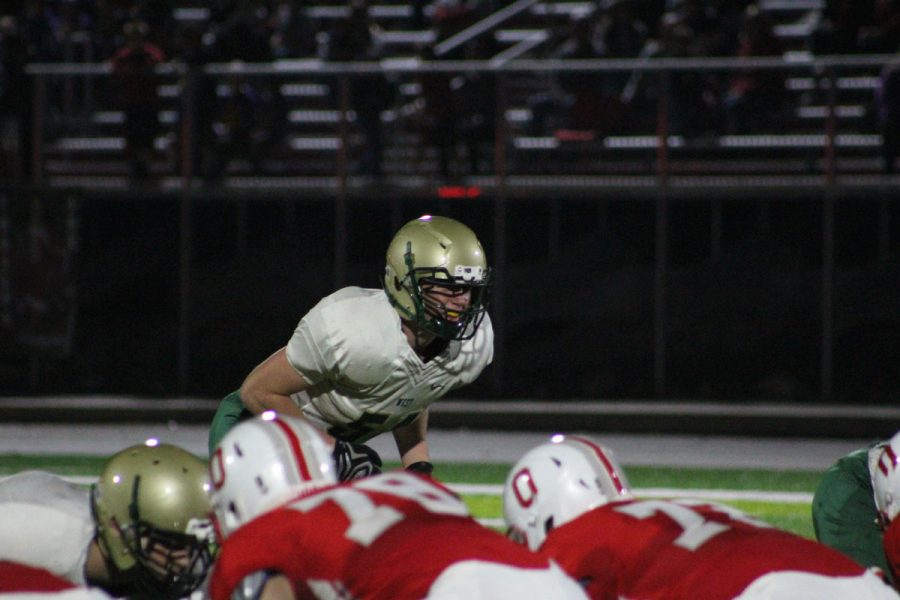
(425, 344)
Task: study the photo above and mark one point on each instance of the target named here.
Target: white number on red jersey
(367, 520)
(696, 530)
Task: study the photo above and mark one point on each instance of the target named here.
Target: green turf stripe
(752, 495)
(497, 490)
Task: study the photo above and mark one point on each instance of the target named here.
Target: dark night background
(577, 315)
(748, 311)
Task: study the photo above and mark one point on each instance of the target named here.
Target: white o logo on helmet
(217, 469)
(524, 488)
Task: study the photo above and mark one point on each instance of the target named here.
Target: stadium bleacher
(87, 140)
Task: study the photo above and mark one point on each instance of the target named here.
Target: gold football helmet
(434, 251)
(151, 507)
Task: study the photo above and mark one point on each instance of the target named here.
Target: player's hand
(353, 461)
(891, 543)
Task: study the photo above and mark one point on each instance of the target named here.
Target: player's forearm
(411, 443)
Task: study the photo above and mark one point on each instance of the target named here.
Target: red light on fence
(458, 191)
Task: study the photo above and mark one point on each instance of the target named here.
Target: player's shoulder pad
(364, 334)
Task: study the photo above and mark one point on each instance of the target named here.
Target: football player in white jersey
(367, 361)
(142, 530)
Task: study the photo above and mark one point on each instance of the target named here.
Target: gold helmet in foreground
(434, 251)
(151, 506)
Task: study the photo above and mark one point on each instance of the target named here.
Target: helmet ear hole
(548, 524)
(232, 518)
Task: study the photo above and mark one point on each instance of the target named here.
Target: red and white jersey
(656, 549)
(391, 537)
(24, 582)
(46, 522)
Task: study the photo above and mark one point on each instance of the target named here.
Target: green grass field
(777, 497)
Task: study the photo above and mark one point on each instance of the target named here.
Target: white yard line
(700, 494)
(490, 489)
(462, 445)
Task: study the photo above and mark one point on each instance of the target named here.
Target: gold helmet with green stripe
(437, 252)
(152, 511)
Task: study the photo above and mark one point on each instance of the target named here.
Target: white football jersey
(46, 522)
(366, 379)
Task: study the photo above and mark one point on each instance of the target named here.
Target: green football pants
(230, 412)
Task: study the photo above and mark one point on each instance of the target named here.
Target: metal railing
(825, 77)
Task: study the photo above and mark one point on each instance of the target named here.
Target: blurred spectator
(588, 100)
(438, 112)
(888, 104)
(110, 17)
(370, 94)
(37, 26)
(157, 14)
(352, 38)
(617, 33)
(15, 102)
(195, 52)
(293, 33)
(234, 124)
(549, 108)
(419, 21)
(837, 31)
(714, 24)
(693, 97)
(269, 133)
(476, 101)
(457, 110)
(136, 82)
(883, 34)
(754, 97)
(245, 33)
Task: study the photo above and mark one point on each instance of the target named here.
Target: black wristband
(423, 466)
